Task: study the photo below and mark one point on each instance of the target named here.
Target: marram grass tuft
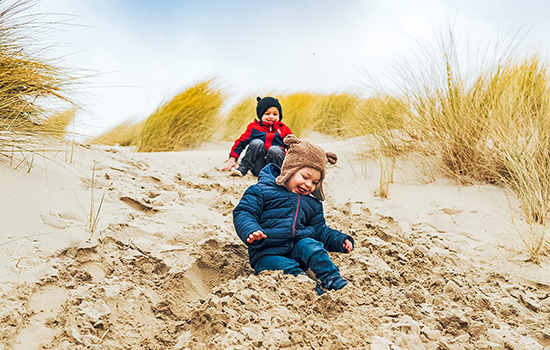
(301, 112)
(188, 119)
(490, 124)
(57, 123)
(125, 134)
(27, 81)
(239, 117)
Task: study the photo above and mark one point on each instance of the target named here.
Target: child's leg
(275, 155)
(280, 263)
(314, 255)
(276, 263)
(254, 158)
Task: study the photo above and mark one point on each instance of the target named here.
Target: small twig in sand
(452, 218)
(104, 334)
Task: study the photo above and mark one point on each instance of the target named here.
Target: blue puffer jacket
(284, 217)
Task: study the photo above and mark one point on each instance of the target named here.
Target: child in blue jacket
(281, 217)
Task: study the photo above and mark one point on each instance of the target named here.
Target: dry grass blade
(94, 215)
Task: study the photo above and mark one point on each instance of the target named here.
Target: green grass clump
(125, 134)
(186, 120)
(27, 81)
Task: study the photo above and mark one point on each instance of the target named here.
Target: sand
(435, 266)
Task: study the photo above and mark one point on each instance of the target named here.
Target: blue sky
(146, 51)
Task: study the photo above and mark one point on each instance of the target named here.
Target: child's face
(271, 115)
(304, 181)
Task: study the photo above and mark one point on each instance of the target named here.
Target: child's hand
(348, 245)
(230, 164)
(256, 236)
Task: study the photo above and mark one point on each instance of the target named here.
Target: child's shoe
(236, 172)
(240, 171)
(336, 283)
(319, 290)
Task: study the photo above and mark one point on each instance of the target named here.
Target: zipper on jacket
(294, 224)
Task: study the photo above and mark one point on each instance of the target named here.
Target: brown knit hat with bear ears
(301, 154)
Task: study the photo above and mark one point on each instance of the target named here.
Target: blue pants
(256, 158)
(307, 253)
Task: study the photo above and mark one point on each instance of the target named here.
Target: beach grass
(57, 123)
(186, 120)
(29, 83)
(323, 113)
(26, 78)
(490, 124)
(125, 134)
(243, 113)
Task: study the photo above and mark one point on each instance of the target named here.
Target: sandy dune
(436, 266)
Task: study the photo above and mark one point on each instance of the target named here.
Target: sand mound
(165, 270)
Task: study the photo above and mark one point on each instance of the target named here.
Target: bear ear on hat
(332, 158)
(290, 139)
(258, 98)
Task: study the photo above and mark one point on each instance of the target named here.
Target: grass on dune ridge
(491, 126)
(324, 113)
(125, 134)
(188, 119)
(27, 80)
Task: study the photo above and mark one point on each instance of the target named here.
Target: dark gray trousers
(256, 158)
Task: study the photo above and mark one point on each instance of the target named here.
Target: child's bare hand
(230, 164)
(256, 236)
(348, 245)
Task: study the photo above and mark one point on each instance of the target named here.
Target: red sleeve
(285, 131)
(241, 143)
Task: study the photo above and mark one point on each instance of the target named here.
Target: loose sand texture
(435, 266)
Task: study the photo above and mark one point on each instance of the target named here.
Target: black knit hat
(266, 103)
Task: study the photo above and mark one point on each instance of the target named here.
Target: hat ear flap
(332, 158)
(291, 139)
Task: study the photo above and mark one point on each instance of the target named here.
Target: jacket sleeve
(332, 239)
(241, 143)
(246, 215)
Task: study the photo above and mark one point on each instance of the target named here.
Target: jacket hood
(268, 174)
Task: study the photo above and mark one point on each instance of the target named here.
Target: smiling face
(304, 181)
(271, 115)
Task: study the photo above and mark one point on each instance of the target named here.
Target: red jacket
(272, 134)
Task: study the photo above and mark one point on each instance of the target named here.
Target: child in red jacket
(264, 138)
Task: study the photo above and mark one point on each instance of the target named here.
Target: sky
(140, 53)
